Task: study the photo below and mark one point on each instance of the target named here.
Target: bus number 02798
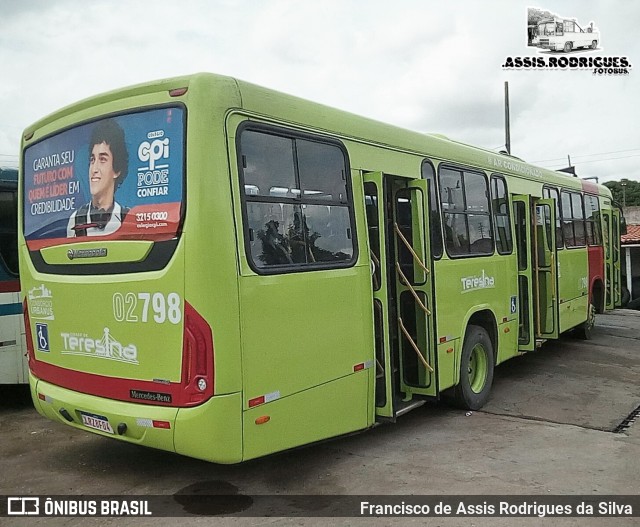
(125, 307)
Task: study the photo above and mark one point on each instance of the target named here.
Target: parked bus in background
(13, 360)
(225, 271)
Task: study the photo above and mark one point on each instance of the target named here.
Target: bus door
(615, 249)
(537, 270)
(608, 258)
(402, 291)
(546, 269)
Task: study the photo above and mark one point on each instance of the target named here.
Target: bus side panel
(573, 270)
(329, 410)
(463, 284)
(596, 273)
(211, 431)
(304, 330)
(13, 364)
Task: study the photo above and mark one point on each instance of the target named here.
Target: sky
(425, 65)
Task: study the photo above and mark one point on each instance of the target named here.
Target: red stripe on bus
(590, 187)
(110, 387)
(10, 286)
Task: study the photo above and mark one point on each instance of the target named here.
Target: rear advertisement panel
(116, 178)
(120, 178)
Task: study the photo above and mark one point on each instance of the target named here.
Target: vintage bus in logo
(564, 34)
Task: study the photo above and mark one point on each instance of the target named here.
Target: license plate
(97, 422)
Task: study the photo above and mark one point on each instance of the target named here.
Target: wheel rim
(478, 368)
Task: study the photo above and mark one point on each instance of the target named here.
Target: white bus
(13, 359)
(563, 34)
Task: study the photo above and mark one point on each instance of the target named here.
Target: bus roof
(248, 97)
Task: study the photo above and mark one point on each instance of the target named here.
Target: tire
(568, 46)
(585, 330)
(594, 44)
(476, 370)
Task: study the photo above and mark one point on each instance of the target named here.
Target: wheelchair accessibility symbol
(42, 336)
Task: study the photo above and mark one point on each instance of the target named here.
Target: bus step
(540, 342)
(404, 407)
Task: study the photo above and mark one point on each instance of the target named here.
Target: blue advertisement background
(137, 127)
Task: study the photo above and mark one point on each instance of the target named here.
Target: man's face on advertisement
(102, 177)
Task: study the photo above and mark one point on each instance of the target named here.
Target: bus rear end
(118, 320)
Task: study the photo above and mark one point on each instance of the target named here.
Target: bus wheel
(567, 47)
(585, 330)
(476, 370)
(594, 44)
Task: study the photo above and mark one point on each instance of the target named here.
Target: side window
(605, 236)
(592, 220)
(573, 219)
(552, 193)
(9, 230)
(297, 208)
(567, 220)
(428, 173)
(578, 219)
(521, 234)
(501, 219)
(371, 208)
(464, 197)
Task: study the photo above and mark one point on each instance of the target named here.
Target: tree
(627, 194)
(534, 15)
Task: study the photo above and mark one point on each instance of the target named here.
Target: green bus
(224, 271)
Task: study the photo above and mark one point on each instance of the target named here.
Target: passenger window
(298, 210)
(552, 193)
(268, 165)
(464, 196)
(435, 226)
(9, 230)
(501, 219)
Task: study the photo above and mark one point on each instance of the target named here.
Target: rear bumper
(211, 431)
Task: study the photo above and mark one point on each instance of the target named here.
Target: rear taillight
(27, 334)
(197, 357)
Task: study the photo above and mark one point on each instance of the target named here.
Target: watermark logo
(562, 43)
(28, 506)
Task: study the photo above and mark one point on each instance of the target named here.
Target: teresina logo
(106, 347)
(473, 283)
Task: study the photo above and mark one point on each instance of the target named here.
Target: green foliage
(534, 15)
(628, 194)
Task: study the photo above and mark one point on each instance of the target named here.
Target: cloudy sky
(427, 65)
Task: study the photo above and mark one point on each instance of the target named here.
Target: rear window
(120, 177)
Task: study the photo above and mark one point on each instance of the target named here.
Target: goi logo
(154, 151)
